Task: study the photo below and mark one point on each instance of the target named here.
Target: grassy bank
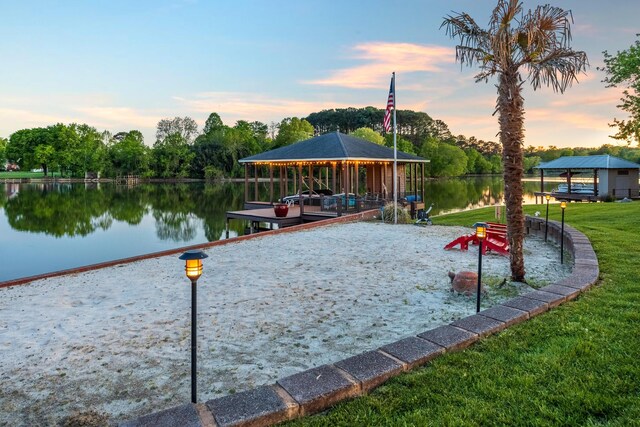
(20, 175)
(578, 364)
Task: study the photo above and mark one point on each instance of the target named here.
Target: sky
(120, 65)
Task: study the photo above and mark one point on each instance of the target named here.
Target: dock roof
(589, 162)
(333, 146)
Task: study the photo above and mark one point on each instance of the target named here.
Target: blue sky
(122, 65)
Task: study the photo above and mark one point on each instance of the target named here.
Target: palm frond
(474, 41)
(558, 69)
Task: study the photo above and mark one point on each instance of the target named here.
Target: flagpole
(395, 156)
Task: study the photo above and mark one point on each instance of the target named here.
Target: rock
(464, 282)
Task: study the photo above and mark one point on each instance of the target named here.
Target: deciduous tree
(369, 134)
(185, 127)
(623, 69)
(292, 129)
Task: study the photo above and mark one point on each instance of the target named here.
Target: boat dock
(268, 216)
(569, 197)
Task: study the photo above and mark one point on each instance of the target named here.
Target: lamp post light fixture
(546, 218)
(481, 233)
(193, 269)
(563, 206)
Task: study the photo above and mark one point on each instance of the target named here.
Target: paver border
(308, 392)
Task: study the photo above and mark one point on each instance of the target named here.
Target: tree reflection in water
(72, 210)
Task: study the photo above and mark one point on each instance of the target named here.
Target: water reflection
(71, 210)
(453, 195)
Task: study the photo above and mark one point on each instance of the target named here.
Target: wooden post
(300, 201)
(270, 184)
(295, 181)
(595, 182)
(569, 181)
(542, 180)
(384, 181)
(326, 170)
(246, 182)
(347, 181)
(280, 182)
(333, 166)
(424, 194)
(310, 181)
(357, 179)
(255, 188)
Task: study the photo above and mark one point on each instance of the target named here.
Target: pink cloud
(381, 58)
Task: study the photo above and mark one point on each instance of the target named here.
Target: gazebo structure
(612, 177)
(325, 174)
(333, 161)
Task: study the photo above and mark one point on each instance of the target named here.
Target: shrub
(404, 217)
(212, 173)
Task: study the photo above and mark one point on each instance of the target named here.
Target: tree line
(182, 151)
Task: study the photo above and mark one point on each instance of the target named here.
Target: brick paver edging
(319, 388)
(369, 214)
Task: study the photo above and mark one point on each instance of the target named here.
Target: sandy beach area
(117, 340)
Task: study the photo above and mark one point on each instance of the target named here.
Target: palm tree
(538, 43)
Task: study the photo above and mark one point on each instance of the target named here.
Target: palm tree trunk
(510, 108)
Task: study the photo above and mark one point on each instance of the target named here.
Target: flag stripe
(390, 105)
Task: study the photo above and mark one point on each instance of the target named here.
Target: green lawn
(20, 174)
(578, 364)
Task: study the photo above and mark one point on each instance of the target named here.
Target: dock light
(546, 218)
(563, 206)
(481, 233)
(193, 269)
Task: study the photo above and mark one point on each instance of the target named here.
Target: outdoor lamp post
(481, 233)
(546, 218)
(563, 206)
(193, 269)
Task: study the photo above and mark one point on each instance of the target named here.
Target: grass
(578, 364)
(20, 174)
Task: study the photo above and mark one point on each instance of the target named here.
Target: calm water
(50, 227)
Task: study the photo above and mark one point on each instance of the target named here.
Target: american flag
(391, 103)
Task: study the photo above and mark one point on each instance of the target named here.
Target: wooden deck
(573, 197)
(267, 215)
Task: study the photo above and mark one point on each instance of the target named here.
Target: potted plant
(281, 209)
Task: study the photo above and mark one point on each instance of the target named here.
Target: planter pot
(281, 210)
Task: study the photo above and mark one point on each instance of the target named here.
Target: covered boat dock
(326, 176)
(609, 177)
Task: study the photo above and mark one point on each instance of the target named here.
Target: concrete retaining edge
(319, 388)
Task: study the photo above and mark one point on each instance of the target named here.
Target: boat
(576, 188)
(307, 194)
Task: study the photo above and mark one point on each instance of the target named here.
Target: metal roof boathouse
(324, 172)
(612, 177)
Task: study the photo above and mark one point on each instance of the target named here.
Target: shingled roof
(588, 162)
(333, 146)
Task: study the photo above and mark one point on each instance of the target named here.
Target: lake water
(55, 226)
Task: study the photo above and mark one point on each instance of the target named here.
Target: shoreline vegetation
(35, 177)
(183, 151)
